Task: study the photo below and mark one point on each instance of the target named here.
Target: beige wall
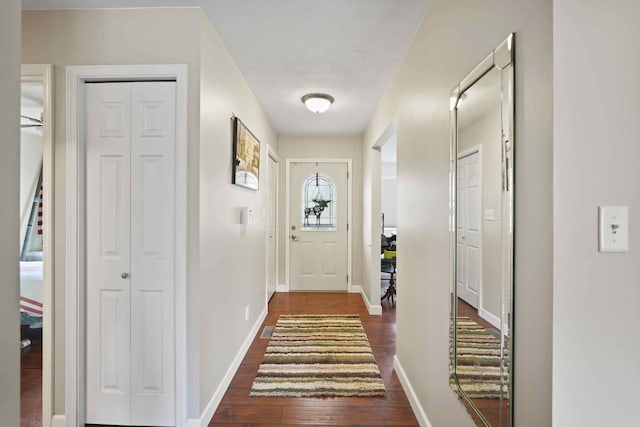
(323, 148)
(596, 367)
(95, 37)
(454, 36)
(9, 222)
(220, 286)
(232, 256)
(487, 132)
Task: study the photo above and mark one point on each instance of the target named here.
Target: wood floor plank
(349, 415)
(237, 408)
(248, 414)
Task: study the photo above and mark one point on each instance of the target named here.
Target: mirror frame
(503, 59)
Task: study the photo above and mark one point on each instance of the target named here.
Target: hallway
(238, 409)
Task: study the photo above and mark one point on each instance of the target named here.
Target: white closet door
(130, 201)
(152, 253)
(108, 146)
(469, 201)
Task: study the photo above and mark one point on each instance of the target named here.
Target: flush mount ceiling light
(317, 102)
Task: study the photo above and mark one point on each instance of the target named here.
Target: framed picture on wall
(246, 156)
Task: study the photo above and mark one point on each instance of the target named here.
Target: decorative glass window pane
(318, 203)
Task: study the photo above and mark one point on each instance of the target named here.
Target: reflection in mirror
(481, 218)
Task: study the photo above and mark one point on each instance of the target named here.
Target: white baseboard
(489, 317)
(373, 309)
(355, 289)
(494, 320)
(193, 422)
(217, 396)
(59, 421)
(418, 410)
(281, 287)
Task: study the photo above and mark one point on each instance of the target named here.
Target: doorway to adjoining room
(388, 219)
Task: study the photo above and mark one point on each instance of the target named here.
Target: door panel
(328, 259)
(152, 348)
(111, 218)
(469, 208)
(130, 253)
(152, 250)
(318, 238)
(108, 253)
(112, 334)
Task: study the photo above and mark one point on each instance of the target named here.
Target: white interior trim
(373, 309)
(58, 421)
(386, 135)
(44, 74)
(376, 211)
(494, 320)
(217, 396)
(273, 155)
(74, 286)
(418, 410)
(349, 215)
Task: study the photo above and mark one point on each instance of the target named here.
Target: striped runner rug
(479, 369)
(318, 356)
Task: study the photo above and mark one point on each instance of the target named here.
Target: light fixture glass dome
(317, 102)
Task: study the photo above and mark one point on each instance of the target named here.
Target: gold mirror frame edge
(501, 57)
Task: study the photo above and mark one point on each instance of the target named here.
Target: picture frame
(246, 156)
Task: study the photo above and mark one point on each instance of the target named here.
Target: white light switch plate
(246, 215)
(614, 229)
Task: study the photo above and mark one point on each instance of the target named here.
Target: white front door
(469, 250)
(130, 180)
(272, 212)
(318, 226)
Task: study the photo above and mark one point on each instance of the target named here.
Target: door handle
(294, 237)
(124, 275)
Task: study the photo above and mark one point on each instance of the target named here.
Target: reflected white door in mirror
(481, 215)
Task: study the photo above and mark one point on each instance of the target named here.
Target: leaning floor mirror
(481, 218)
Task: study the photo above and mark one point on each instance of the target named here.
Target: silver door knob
(124, 275)
(294, 237)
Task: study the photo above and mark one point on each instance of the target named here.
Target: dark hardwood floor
(238, 409)
(31, 385)
(496, 411)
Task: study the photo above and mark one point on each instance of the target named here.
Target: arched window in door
(318, 203)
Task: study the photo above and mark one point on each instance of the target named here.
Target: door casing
(76, 77)
(43, 73)
(351, 288)
(272, 155)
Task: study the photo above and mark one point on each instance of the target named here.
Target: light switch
(246, 215)
(614, 229)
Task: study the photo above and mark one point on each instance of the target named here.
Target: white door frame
(77, 76)
(41, 73)
(375, 306)
(273, 155)
(476, 149)
(348, 162)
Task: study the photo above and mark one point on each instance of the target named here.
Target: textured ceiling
(287, 48)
